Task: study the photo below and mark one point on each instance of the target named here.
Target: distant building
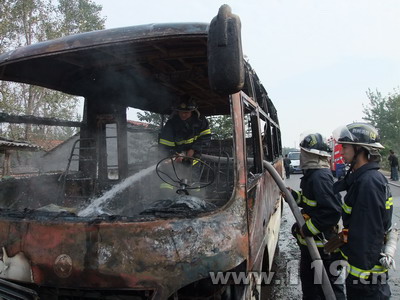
(52, 155)
(8, 147)
(56, 159)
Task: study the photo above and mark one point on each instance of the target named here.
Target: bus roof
(149, 67)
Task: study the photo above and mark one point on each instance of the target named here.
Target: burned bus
(100, 229)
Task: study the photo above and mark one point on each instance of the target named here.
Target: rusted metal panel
(263, 197)
(237, 117)
(262, 201)
(162, 254)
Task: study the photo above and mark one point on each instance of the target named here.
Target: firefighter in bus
(185, 136)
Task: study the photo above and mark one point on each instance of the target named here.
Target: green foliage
(6, 27)
(221, 127)
(151, 118)
(384, 113)
(78, 16)
(22, 23)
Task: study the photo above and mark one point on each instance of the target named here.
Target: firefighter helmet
(314, 143)
(362, 134)
(188, 105)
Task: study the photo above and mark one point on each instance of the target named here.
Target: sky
(316, 58)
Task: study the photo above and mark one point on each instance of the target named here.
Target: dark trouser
(287, 171)
(375, 288)
(394, 173)
(310, 289)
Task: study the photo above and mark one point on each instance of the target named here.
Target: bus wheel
(252, 290)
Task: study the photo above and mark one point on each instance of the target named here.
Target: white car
(294, 162)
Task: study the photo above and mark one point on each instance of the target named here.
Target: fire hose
(312, 247)
(387, 259)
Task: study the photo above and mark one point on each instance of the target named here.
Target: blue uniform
(318, 201)
(182, 135)
(367, 214)
(322, 209)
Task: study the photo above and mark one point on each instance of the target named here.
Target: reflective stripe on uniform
(344, 255)
(311, 227)
(298, 198)
(165, 185)
(193, 139)
(364, 274)
(389, 203)
(167, 143)
(347, 209)
(189, 141)
(309, 202)
(302, 241)
(204, 132)
(360, 273)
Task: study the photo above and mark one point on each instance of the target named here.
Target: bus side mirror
(225, 56)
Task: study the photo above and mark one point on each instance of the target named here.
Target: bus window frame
(257, 150)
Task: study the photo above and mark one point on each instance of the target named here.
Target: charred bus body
(122, 251)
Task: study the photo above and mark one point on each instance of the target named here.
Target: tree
(384, 114)
(151, 118)
(78, 16)
(24, 22)
(6, 27)
(221, 127)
